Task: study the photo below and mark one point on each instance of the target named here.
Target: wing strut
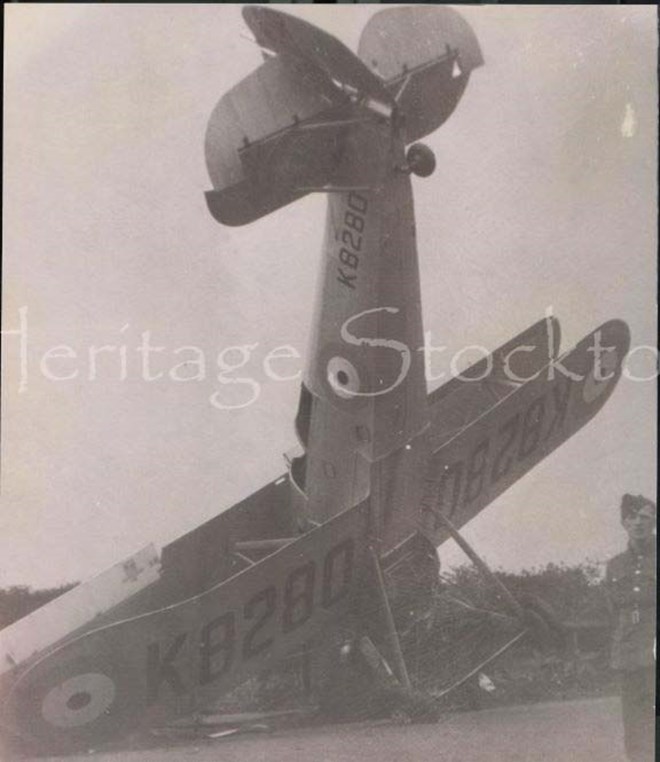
(483, 567)
(391, 638)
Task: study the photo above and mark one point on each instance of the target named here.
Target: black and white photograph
(329, 382)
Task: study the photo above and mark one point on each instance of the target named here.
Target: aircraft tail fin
(317, 117)
(425, 55)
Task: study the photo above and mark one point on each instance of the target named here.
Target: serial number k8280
(272, 617)
(503, 452)
(351, 239)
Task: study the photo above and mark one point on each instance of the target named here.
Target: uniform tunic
(631, 588)
(630, 582)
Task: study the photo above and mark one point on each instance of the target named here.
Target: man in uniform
(630, 582)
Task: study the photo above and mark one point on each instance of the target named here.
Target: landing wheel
(421, 160)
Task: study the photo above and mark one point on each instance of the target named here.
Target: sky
(544, 199)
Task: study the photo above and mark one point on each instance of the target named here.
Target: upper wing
(472, 467)
(462, 400)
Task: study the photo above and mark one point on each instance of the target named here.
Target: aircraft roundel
(344, 376)
(78, 700)
(63, 703)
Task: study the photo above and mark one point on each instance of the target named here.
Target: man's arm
(607, 592)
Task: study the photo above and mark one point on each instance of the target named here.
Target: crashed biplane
(384, 471)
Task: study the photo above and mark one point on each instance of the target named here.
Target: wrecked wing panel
(475, 466)
(170, 661)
